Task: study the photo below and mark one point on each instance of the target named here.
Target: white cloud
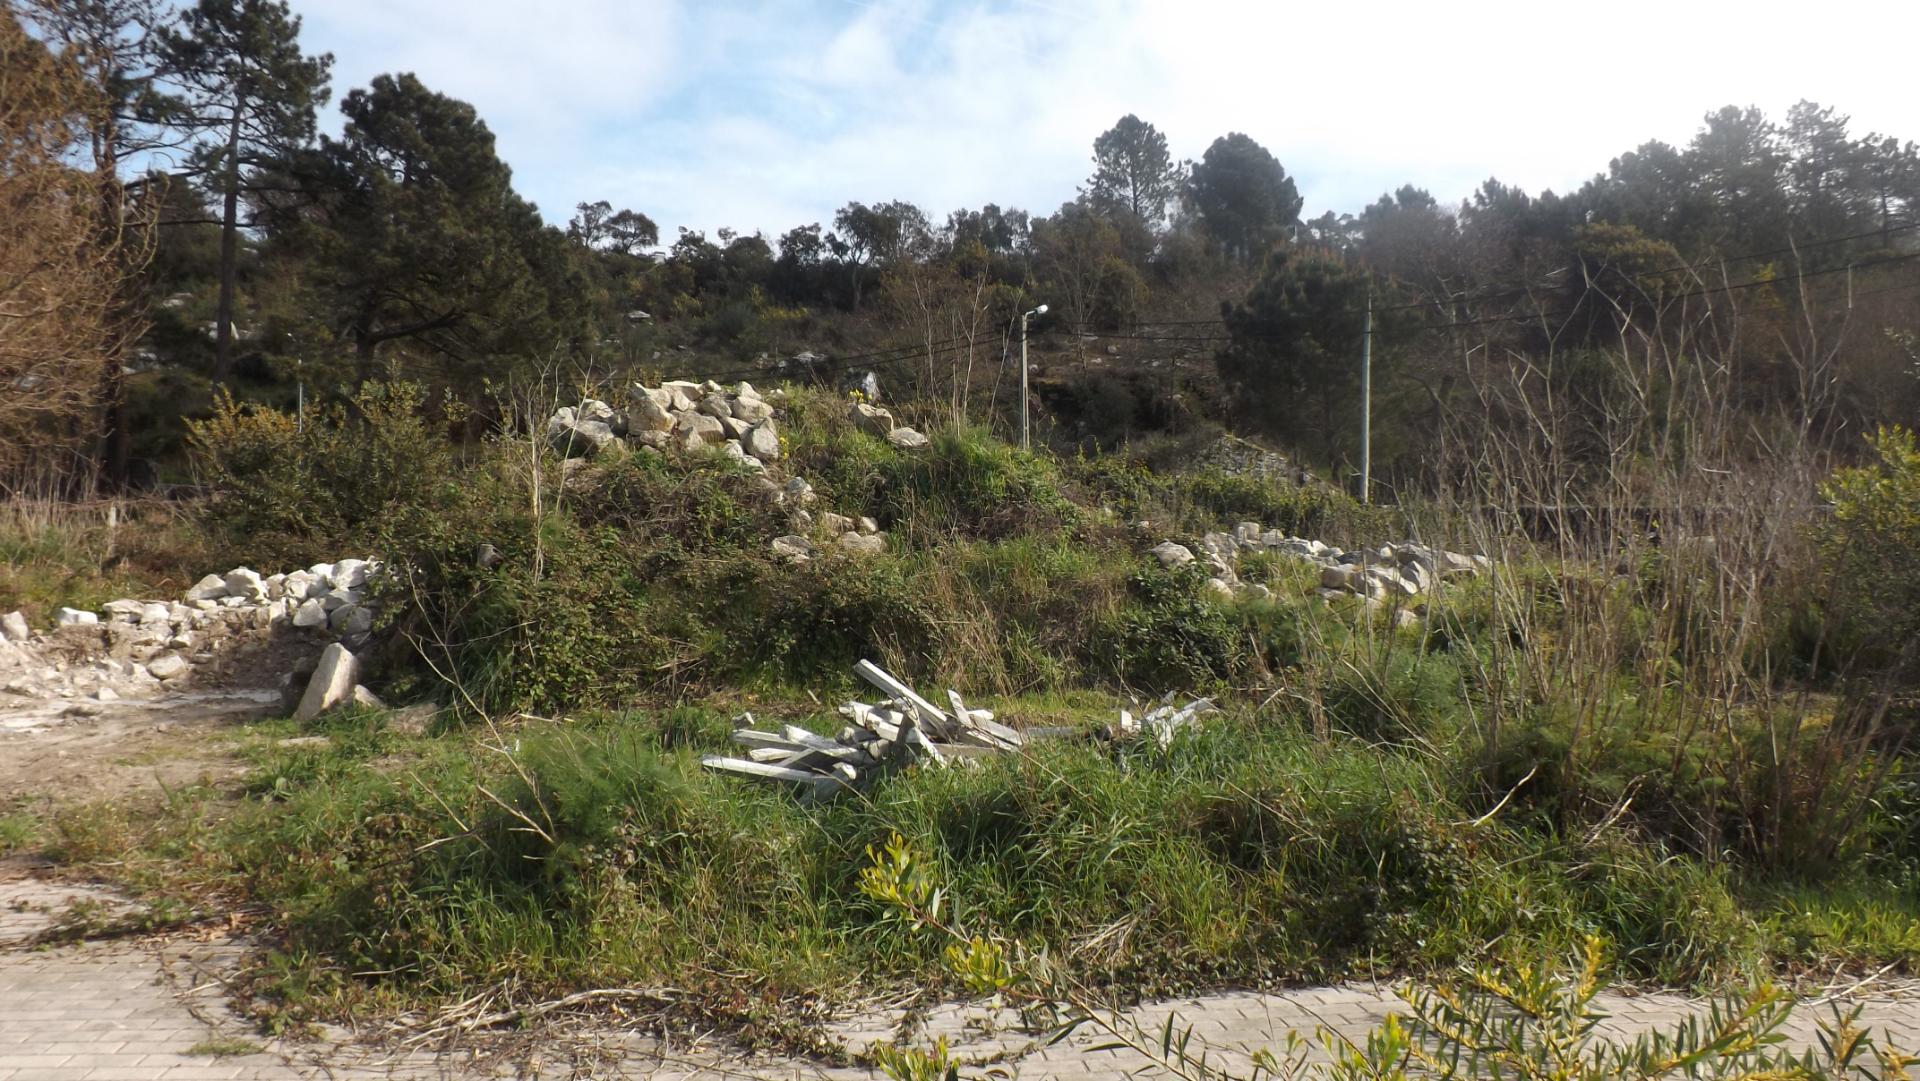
(767, 115)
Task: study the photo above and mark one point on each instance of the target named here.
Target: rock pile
(681, 415)
(676, 415)
(139, 648)
(1390, 572)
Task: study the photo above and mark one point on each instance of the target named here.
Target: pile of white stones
(1391, 572)
(136, 648)
(681, 415)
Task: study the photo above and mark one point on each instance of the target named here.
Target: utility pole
(1025, 441)
(1366, 402)
(300, 395)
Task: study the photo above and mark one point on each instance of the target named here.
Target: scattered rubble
(902, 729)
(1162, 722)
(1391, 572)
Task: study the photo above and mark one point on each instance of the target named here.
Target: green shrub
(298, 489)
(1172, 636)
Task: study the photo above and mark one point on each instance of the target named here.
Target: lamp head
(1041, 310)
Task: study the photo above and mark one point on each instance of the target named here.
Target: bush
(318, 489)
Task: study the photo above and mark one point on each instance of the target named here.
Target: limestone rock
(862, 544)
(799, 492)
(350, 621)
(870, 419)
(74, 617)
(579, 433)
(155, 613)
(246, 583)
(211, 588)
(13, 627)
(126, 610)
(167, 666)
(649, 414)
(333, 681)
(1172, 555)
(762, 441)
(735, 429)
(751, 410)
(1219, 589)
(311, 613)
(907, 439)
(794, 547)
(365, 699)
(836, 524)
(699, 426)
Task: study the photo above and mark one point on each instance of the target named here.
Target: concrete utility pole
(1025, 442)
(1366, 402)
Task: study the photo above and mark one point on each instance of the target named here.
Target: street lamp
(1025, 443)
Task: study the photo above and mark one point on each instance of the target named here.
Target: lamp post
(1025, 442)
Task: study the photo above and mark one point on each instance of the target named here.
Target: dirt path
(60, 751)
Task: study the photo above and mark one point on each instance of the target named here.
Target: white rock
(126, 610)
(1219, 589)
(716, 405)
(245, 582)
(211, 588)
(698, 426)
(322, 571)
(167, 666)
(311, 613)
(348, 574)
(366, 699)
(276, 586)
(800, 492)
(868, 525)
(796, 548)
(333, 681)
(907, 439)
(1172, 555)
(74, 617)
(870, 419)
(762, 441)
(751, 410)
(862, 544)
(350, 620)
(13, 627)
(156, 613)
(106, 694)
(232, 602)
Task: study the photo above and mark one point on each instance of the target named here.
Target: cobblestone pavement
(156, 1010)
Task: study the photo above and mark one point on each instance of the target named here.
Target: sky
(767, 114)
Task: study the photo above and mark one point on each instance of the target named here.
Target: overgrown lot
(1696, 753)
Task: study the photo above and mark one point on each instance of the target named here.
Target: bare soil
(62, 751)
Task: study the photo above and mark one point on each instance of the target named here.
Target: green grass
(225, 1047)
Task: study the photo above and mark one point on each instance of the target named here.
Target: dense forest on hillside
(1765, 269)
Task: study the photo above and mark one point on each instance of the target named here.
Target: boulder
(1338, 576)
(796, 548)
(681, 394)
(716, 405)
(74, 617)
(868, 525)
(124, 610)
(762, 441)
(246, 583)
(1172, 555)
(365, 699)
(155, 613)
(654, 440)
(735, 429)
(699, 426)
(167, 666)
(350, 574)
(350, 621)
(649, 414)
(862, 544)
(333, 681)
(1218, 589)
(836, 524)
(799, 492)
(907, 439)
(1248, 534)
(751, 409)
(211, 588)
(870, 419)
(13, 627)
(336, 599)
(572, 435)
(311, 613)
(276, 586)
(322, 572)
